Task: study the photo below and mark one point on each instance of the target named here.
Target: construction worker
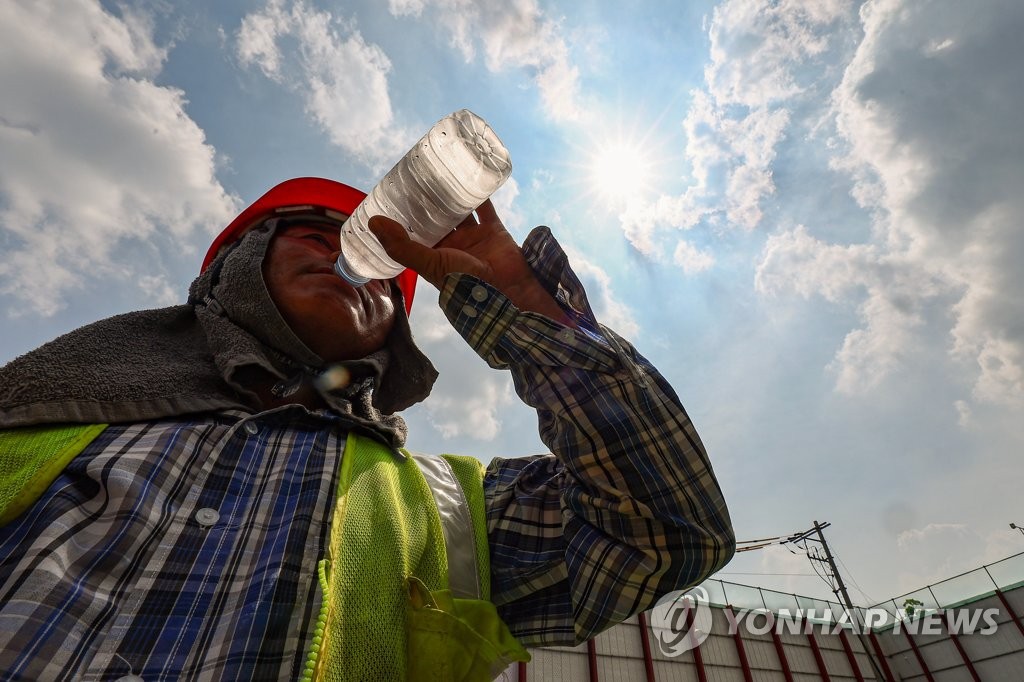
(221, 489)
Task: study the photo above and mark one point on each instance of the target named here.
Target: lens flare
(620, 171)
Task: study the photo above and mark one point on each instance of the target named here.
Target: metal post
(850, 656)
(1009, 609)
(1006, 604)
(698, 659)
(645, 643)
(592, 660)
(740, 650)
(889, 677)
(822, 668)
(960, 649)
(846, 599)
(781, 651)
(954, 638)
(920, 658)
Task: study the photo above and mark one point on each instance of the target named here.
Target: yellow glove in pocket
(456, 640)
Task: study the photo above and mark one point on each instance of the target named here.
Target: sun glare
(620, 171)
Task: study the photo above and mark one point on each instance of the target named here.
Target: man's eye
(318, 238)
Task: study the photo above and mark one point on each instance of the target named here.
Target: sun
(620, 171)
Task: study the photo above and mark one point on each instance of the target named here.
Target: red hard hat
(301, 193)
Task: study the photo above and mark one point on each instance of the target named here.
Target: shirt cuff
(502, 334)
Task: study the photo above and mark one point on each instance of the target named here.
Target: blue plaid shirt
(186, 548)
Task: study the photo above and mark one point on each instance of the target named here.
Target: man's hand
(479, 247)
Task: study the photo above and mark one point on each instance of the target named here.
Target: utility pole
(841, 590)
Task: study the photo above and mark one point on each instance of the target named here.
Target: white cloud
(757, 47)
(933, 142)
(760, 53)
(258, 36)
(928, 550)
(540, 179)
(94, 153)
(642, 224)
(469, 397)
(916, 536)
(511, 35)
(608, 309)
(965, 415)
(474, 412)
(887, 287)
(342, 79)
(429, 324)
(158, 289)
(926, 129)
(691, 259)
(740, 148)
(794, 260)
(504, 203)
(870, 354)
(406, 7)
(788, 569)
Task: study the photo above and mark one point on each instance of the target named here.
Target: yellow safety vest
(405, 589)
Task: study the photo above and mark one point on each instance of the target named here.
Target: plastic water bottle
(454, 168)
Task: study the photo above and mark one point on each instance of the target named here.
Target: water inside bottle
(430, 190)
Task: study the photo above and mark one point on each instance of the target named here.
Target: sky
(808, 214)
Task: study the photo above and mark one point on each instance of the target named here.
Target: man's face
(337, 321)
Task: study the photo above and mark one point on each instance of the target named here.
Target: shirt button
(130, 678)
(207, 516)
(565, 336)
(251, 428)
(469, 311)
(479, 293)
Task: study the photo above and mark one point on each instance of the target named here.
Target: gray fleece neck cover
(208, 355)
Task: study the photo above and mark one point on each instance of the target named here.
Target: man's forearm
(629, 500)
(627, 508)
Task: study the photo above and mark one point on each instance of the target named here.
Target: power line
(816, 558)
(849, 574)
(761, 543)
(753, 547)
(748, 542)
(811, 575)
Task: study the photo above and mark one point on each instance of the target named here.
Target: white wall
(997, 657)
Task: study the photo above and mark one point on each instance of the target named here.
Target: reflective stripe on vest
(457, 524)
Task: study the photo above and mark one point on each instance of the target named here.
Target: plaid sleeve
(628, 507)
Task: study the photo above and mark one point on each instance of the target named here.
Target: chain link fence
(978, 583)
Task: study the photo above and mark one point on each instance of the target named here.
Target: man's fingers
(393, 237)
(470, 221)
(487, 213)
(396, 242)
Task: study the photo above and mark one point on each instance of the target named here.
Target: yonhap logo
(681, 621)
